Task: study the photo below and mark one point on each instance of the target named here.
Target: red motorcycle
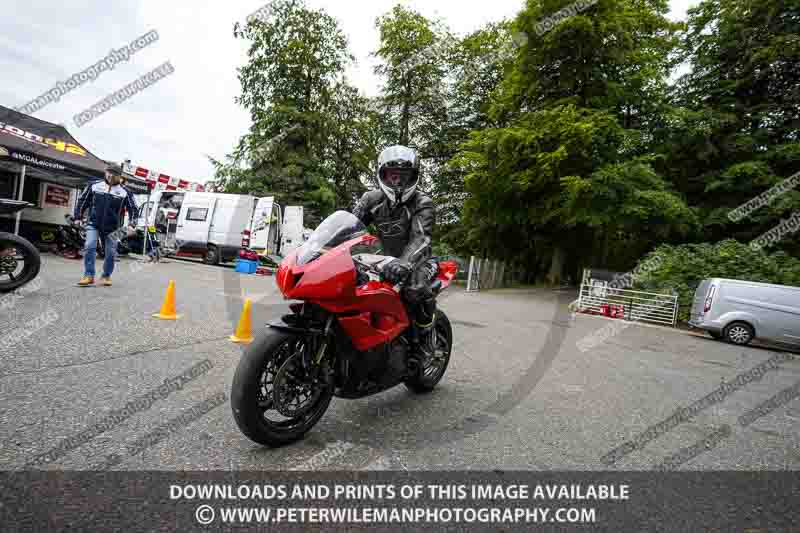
(350, 337)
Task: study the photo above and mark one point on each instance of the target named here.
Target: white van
(207, 225)
(740, 311)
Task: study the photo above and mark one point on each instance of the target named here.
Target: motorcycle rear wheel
(24, 253)
(252, 399)
(430, 375)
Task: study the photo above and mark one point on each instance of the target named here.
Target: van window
(197, 214)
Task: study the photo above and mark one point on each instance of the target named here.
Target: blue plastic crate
(246, 266)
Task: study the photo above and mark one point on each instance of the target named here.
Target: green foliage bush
(681, 268)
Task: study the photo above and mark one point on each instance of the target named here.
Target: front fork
(315, 349)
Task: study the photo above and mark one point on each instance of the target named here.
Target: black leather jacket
(406, 230)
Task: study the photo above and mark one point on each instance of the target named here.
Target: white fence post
(469, 273)
(675, 314)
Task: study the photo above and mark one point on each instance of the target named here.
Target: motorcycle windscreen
(338, 228)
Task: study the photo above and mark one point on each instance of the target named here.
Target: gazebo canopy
(47, 150)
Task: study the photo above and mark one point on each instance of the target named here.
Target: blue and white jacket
(105, 204)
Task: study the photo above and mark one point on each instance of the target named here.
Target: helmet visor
(398, 179)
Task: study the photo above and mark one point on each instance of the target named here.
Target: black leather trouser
(420, 298)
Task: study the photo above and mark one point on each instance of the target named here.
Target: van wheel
(740, 333)
(211, 256)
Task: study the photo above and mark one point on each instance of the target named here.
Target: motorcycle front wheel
(19, 262)
(272, 403)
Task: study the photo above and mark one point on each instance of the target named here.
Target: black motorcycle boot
(425, 325)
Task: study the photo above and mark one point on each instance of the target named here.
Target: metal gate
(598, 297)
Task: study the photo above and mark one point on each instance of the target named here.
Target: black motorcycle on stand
(19, 259)
(71, 239)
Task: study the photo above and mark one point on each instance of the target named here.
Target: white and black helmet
(400, 184)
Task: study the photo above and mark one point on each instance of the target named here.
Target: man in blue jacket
(105, 201)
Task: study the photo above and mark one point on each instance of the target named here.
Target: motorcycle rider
(404, 219)
(105, 201)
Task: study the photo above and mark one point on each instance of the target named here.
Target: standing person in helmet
(404, 219)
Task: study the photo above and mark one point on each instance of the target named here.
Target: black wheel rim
(15, 262)
(264, 394)
(435, 367)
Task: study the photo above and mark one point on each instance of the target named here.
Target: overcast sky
(171, 126)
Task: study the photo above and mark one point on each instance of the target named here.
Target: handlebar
(378, 272)
(369, 268)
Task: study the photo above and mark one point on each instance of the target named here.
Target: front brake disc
(293, 393)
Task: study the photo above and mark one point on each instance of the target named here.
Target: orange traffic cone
(244, 330)
(168, 307)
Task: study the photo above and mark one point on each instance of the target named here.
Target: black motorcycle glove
(396, 271)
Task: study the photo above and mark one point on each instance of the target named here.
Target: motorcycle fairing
(371, 315)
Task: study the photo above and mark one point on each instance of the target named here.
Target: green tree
(413, 52)
(294, 88)
(735, 131)
(354, 139)
(476, 66)
(562, 162)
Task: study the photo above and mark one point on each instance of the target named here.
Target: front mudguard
(293, 323)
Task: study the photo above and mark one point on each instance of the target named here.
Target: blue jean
(90, 251)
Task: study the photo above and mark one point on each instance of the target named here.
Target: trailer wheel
(211, 256)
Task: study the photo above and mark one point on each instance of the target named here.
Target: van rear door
(194, 220)
(787, 301)
(264, 227)
(292, 237)
(699, 301)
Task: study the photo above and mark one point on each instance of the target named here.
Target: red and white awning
(162, 182)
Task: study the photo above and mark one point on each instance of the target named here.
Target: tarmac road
(69, 356)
